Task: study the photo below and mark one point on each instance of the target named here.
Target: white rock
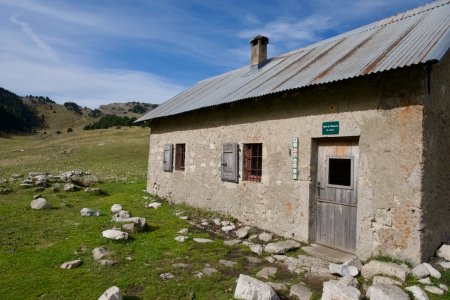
(354, 262)
(155, 205)
(267, 272)
(375, 267)
(445, 264)
(40, 203)
(425, 280)
(89, 212)
(69, 187)
(279, 286)
(113, 293)
(282, 247)
(434, 290)
(254, 260)
(217, 221)
(184, 218)
(99, 253)
(420, 271)
(166, 276)
(265, 236)
(113, 234)
(300, 291)
(202, 241)
(342, 270)
(227, 263)
(231, 242)
(433, 272)
(443, 286)
(444, 252)
(242, 232)
(349, 281)
(181, 238)
(123, 214)
(183, 231)
(204, 223)
(249, 288)
(209, 271)
(386, 292)
(255, 248)
(116, 208)
(71, 264)
(417, 292)
(225, 223)
(107, 262)
(332, 290)
(228, 228)
(385, 280)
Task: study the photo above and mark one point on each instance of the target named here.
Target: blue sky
(103, 51)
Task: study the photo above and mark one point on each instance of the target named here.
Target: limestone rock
(385, 280)
(99, 253)
(420, 271)
(89, 212)
(342, 270)
(95, 191)
(155, 205)
(181, 238)
(113, 293)
(375, 267)
(417, 292)
(254, 260)
(433, 272)
(124, 214)
(332, 290)
(209, 271)
(386, 292)
(71, 264)
(349, 281)
(166, 276)
(300, 292)
(426, 280)
(242, 232)
(249, 288)
(107, 262)
(231, 242)
(267, 272)
(228, 228)
(279, 286)
(217, 221)
(184, 218)
(183, 231)
(434, 290)
(113, 234)
(180, 265)
(265, 236)
(443, 286)
(227, 263)
(70, 187)
(282, 247)
(444, 252)
(116, 208)
(225, 223)
(256, 248)
(40, 203)
(445, 264)
(140, 224)
(202, 240)
(354, 262)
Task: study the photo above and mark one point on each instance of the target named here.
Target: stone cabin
(344, 143)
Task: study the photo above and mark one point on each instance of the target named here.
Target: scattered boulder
(426, 280)
(183, 231)
(332, 290)
(84, 181)
(124, 214)
(420, 271)
(71, 264)
(385, 280)
(267, 272)
(225, 223)
(349, 281)
(354, 262)
(231, 242)
(433, 272)
(202, 241)
(300, 291)
(113, 234)
(242, 232)
(107, 262)
(444, 264)
(265, 236)
(444, 252)
(417, 292)
(26, 185)
(70, 187)
(155, 205)
(181, 238)
(99, 253)
(282, 247)
(375, 267)
(386, 292)
(256, 248)
(184, 218)
(180, 265)
(279, 286)
(56, 188)
(228, 263)
(254, 260)
(249, 288)
(5, 190)
(113, 293)
(209, 271)
(116, 208)
(166, 276)
(95, 191)
(443, 286)
(342, 270)
(228, 228)
(89, 212)
(434, 290)
(217, 221)
(40, 203)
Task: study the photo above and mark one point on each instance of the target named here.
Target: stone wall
(384, 111)
(436, 184)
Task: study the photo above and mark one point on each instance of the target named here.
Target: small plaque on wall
(329, 128)
(294, 158)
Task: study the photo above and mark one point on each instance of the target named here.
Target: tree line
(108, 121)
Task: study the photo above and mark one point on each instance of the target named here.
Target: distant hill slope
(129, 109)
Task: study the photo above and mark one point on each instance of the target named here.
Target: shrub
(69, 129)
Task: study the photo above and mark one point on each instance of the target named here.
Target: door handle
(319, 188)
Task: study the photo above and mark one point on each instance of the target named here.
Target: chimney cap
(264, 40)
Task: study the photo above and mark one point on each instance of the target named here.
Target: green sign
(330, 128)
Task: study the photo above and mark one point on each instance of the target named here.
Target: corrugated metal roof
(417, 36)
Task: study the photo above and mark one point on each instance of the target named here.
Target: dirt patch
(134, 290)
(314, 281)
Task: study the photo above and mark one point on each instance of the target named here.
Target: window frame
(352, 172)
(180, 157)
(248, 162)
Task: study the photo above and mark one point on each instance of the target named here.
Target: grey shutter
(168, 158)
(230, 162)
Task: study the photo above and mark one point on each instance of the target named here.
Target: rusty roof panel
(417, 36)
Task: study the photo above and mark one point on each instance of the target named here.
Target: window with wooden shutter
(180, 150)
(253, 162)
(168, 158)
(230, 162)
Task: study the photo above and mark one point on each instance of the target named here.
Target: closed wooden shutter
(230, 162)
(168, 158)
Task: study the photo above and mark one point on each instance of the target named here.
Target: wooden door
(336, 193)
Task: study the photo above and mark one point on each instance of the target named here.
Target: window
(180, 150)
(340, 171)
(253, 162)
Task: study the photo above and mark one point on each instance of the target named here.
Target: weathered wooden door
(336, 193)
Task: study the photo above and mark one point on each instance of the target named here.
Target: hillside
(129, 109)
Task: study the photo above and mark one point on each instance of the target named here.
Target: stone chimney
(259, 49)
